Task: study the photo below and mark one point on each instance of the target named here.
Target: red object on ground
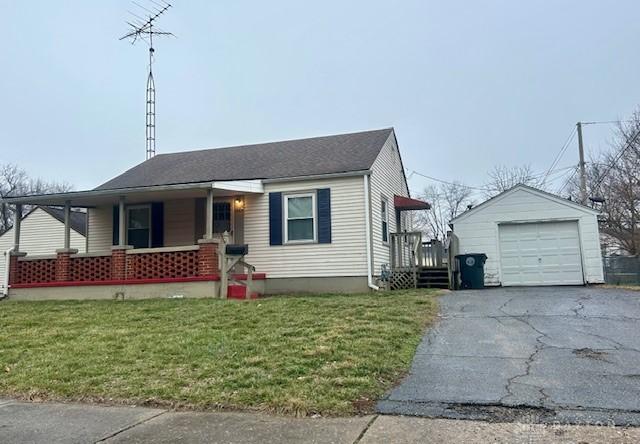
(239, 292)
(402, 203)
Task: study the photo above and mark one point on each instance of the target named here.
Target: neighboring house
(532, 237)
(42, 232)
(315, 213)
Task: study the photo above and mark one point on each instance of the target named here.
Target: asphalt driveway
(553, 354)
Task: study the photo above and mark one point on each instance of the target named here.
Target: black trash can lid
(470, 259)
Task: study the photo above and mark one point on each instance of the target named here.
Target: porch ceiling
(93, 198)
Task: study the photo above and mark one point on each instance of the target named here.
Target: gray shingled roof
(77, 221)
(291, 158)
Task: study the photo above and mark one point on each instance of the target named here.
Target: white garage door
(546, 253)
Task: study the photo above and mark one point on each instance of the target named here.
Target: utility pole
(583, 172)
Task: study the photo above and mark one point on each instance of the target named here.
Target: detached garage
(532, 237)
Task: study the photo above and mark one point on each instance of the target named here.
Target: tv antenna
(143, 28)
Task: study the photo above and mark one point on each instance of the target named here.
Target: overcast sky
(465, 84)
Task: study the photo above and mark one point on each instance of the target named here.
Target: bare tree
(447, 201)
(502, 177)
(613, 178)
(14, 181)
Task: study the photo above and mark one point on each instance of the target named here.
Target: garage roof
(530, 189)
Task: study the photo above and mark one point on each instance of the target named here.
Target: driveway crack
(528, 363)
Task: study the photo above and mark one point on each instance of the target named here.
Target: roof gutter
(110, 192)
(318, 176)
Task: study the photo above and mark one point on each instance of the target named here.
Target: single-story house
(316, 215)
(42, 233)
(532, 237)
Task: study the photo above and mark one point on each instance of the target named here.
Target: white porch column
(208, 234)
(17, 221)
(67, 225)
(122, 220)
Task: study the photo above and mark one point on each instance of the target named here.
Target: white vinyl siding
(100, 233)
(387, 180)
(40, 233)
(344, 256)
(478, 232)
(179, 222)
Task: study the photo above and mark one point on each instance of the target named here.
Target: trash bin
(471, 268)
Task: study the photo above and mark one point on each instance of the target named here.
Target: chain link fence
(622, 270)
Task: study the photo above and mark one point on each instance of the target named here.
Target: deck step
(434, 285)
(433, 277)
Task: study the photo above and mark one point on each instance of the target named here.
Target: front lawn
(331, 354)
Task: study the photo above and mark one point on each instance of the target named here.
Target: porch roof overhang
(92, 198)
(402, 203)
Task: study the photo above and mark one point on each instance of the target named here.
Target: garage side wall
(478, 232)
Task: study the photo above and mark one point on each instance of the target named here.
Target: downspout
(5, 284)
(367, 229)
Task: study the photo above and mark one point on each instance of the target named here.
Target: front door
(223, 218)
(226, 216)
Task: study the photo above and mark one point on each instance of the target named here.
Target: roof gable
(78, 221)
(292, 158)
(521, 187)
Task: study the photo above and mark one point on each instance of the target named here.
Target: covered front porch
(181, 240)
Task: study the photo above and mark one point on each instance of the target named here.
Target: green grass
(330, 354)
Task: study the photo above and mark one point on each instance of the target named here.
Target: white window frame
(384, 219)
(286, 218)
(137, 207)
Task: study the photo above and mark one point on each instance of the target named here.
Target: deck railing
(409, 251)
(433, 254)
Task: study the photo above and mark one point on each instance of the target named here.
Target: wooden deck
(417, 264)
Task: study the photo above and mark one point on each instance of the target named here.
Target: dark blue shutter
(116, 225)
(323, 201)
(275, 218)
(157, 225)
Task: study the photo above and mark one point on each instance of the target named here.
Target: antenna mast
(143, 29)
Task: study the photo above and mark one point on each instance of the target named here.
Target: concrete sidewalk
(22, 422)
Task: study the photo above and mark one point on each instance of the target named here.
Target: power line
(447, 182)
(563, 172)
(568, 180)
(615, 160)
(560, 154)
(606, 122)
(485, 188)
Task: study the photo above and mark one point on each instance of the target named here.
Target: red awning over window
(402, 203)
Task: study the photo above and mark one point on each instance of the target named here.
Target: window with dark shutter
(300, 218)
